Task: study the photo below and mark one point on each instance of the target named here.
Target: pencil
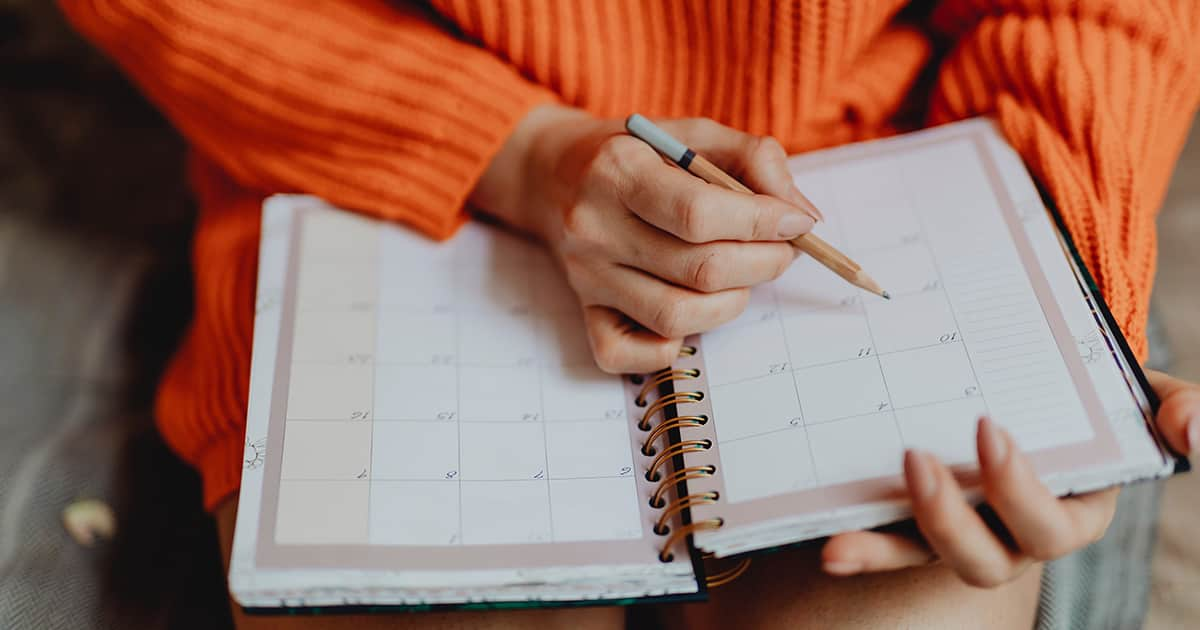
(641, 128)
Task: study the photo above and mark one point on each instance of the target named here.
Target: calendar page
(426, 416)
(818, 388)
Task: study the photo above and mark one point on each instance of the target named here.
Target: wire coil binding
(658, 499)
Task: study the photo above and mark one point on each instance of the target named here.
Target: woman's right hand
(653, 253)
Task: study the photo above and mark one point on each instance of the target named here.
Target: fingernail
(794, 224)
(919, 471)
(1193, 435)
(799, 199)
(842, 568)
(993, 444)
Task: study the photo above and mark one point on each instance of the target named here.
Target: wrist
(523, 185)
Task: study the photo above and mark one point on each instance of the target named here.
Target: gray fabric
(94, 222)
(1107, 585)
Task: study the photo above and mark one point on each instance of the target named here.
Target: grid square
(502, 450)
(505, 512)
(333, 336)
(503, 286)
(322, 512)
(807, 285)
(416, 392)
(589, 449)
(827, 335)
(415, 450)
(902, 270)
(945, 429)
(427, 286)
(766, 465)
(595, 509)
(929, 375)
(857, 448)
(581, 392)
(407, 337)
(840, 390)
(756, 406)
(339, 285)
(564, 339)
(326, 450)
(727, 361)
(497, 339)
(910, 321)
(414, 513)
(500, 393)
(324, 391)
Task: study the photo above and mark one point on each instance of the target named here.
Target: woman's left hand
(1042, 526)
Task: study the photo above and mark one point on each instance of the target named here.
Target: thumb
(1179, 414)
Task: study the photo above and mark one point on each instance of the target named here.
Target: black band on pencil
(687, 158)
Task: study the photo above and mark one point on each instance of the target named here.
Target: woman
(414, 111)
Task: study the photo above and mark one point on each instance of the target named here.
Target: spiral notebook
(426, 425)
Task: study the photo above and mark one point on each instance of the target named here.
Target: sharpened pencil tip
(886, 295)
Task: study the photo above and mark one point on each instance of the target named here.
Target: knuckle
(705, 273)
(988, 576)
(618, 154)
(767, 148)
(690, 217)
(784, 262)
(764, 220)
(669, 317)
(607, 353)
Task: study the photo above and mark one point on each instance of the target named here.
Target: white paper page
(818, 388)
(428, 410)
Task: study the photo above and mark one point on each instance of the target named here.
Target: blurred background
(95, 222)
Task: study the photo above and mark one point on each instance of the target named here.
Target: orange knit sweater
(395, 110)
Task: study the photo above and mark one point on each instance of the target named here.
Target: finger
(708, 267)
(699, 212)
(670, 311)
(953, 529)
(1043, 526)
(1178, 417)
(620, 347)
(866, 552)
(760, 162)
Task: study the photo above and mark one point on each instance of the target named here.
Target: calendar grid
(799, 402)
(417, 366)
(861, 309)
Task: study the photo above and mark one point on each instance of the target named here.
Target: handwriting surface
(443, 395)
(844, 381)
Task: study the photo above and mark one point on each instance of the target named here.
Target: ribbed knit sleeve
(369, 104)
(1097, 98)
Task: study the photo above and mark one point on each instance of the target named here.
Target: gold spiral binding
(683, 532)
(687, 351)
(675, 507)
(674, 398)
(691, 472)
(678, 448)
(725, 576)
(664, 427)
(658, 378)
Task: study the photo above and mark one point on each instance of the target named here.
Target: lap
(785, 589)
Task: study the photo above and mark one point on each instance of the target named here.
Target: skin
(655, 254)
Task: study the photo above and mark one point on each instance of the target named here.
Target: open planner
(427, 426)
